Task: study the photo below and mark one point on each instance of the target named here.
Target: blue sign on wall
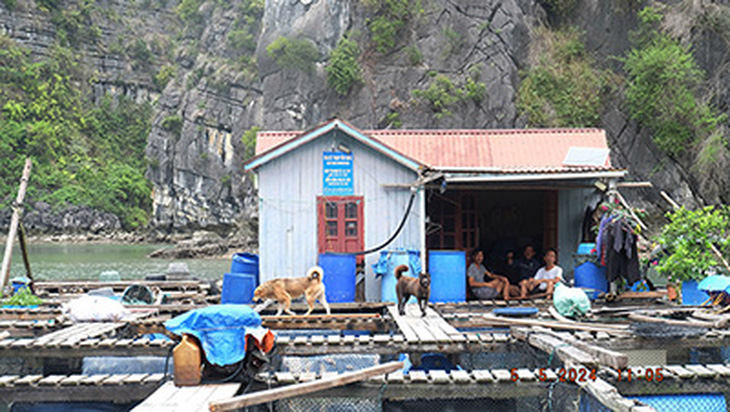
(337, 174)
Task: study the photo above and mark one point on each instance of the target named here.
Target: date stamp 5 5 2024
(581, 374)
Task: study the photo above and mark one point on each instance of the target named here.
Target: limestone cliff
(226, 82)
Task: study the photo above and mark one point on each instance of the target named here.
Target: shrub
(164, 75)
(390, 17)
(564, 89)
(173, 124)
(249, 141)
(293, 53)
(343, 70)
(688, 236)
(442, 94)
(663, 81)
(415, 57)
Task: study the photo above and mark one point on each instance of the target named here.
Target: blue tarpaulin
(221, 330)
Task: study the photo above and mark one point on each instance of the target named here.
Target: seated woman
(546, 277)
(484, 284)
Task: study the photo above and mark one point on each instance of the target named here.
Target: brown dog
(284, 290)
(419, 287)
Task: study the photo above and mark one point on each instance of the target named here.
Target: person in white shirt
(546, 277)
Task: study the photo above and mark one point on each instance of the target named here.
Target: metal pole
(17, 208)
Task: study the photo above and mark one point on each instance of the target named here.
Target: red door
(340, 222)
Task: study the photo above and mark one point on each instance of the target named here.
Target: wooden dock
(428, 329)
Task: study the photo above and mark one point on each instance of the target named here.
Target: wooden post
(24, 250)
(289, 391)
(17, 208)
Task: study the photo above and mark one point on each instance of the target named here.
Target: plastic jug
(186, 357)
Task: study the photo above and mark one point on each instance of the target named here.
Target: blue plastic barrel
(339, 276)
(238, 288)
(394, 259)
(691, 295)
(448, 275)
(247, 263)
(588, 275)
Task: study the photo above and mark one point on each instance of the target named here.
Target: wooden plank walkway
(431, 328)
(495, 383)
(169, 398)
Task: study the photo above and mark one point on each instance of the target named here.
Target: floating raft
(435, 384)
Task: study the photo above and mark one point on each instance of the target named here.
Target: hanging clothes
(618, 251)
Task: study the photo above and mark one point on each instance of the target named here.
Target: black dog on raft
(408, 286)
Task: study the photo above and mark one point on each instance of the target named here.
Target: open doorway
(494, 221)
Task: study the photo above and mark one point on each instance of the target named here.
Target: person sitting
(546, 277)
(483, 283)
(527, 265)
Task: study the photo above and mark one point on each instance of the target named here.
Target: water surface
(87, 261)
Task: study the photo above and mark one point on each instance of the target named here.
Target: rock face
(216, 96)
(39, 218)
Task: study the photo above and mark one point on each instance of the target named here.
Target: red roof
(528, 150)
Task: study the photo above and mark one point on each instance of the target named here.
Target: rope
(550, 359)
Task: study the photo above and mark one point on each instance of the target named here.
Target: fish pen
(460, 356)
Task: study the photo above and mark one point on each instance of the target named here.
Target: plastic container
(186, 358)
(247, 263)
(389, 260)
(588, 275)
(448, 275)
(238, 288)
(339, 276)
(585, 248)
(19, 283)
(691, 295)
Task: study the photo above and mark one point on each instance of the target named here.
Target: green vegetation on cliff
(83, 154)
(564, 88)
(343, 70)
(663, 84)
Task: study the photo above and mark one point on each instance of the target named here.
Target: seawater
(88, 261)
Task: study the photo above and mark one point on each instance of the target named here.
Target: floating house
(338, 188)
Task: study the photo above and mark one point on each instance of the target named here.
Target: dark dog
(407, 286)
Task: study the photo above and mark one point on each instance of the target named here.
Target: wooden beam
(634, 184)
(606, 357)
(693, 324)
(610, 397)
(303, 388)
(564, 351)
(14, 220)
(590, 327)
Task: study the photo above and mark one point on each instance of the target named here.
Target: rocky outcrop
(39, 218)
(196, 146)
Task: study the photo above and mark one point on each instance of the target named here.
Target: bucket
(448, 275)
(238, 288)
(389, 260)
(19, 283)
(339, 276)
(691, 295)
(247, 263)
(588, 275)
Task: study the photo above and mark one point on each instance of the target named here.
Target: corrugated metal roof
(503, 150)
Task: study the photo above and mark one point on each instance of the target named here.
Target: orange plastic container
(186, 357)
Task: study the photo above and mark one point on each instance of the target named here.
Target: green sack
(570, 302)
